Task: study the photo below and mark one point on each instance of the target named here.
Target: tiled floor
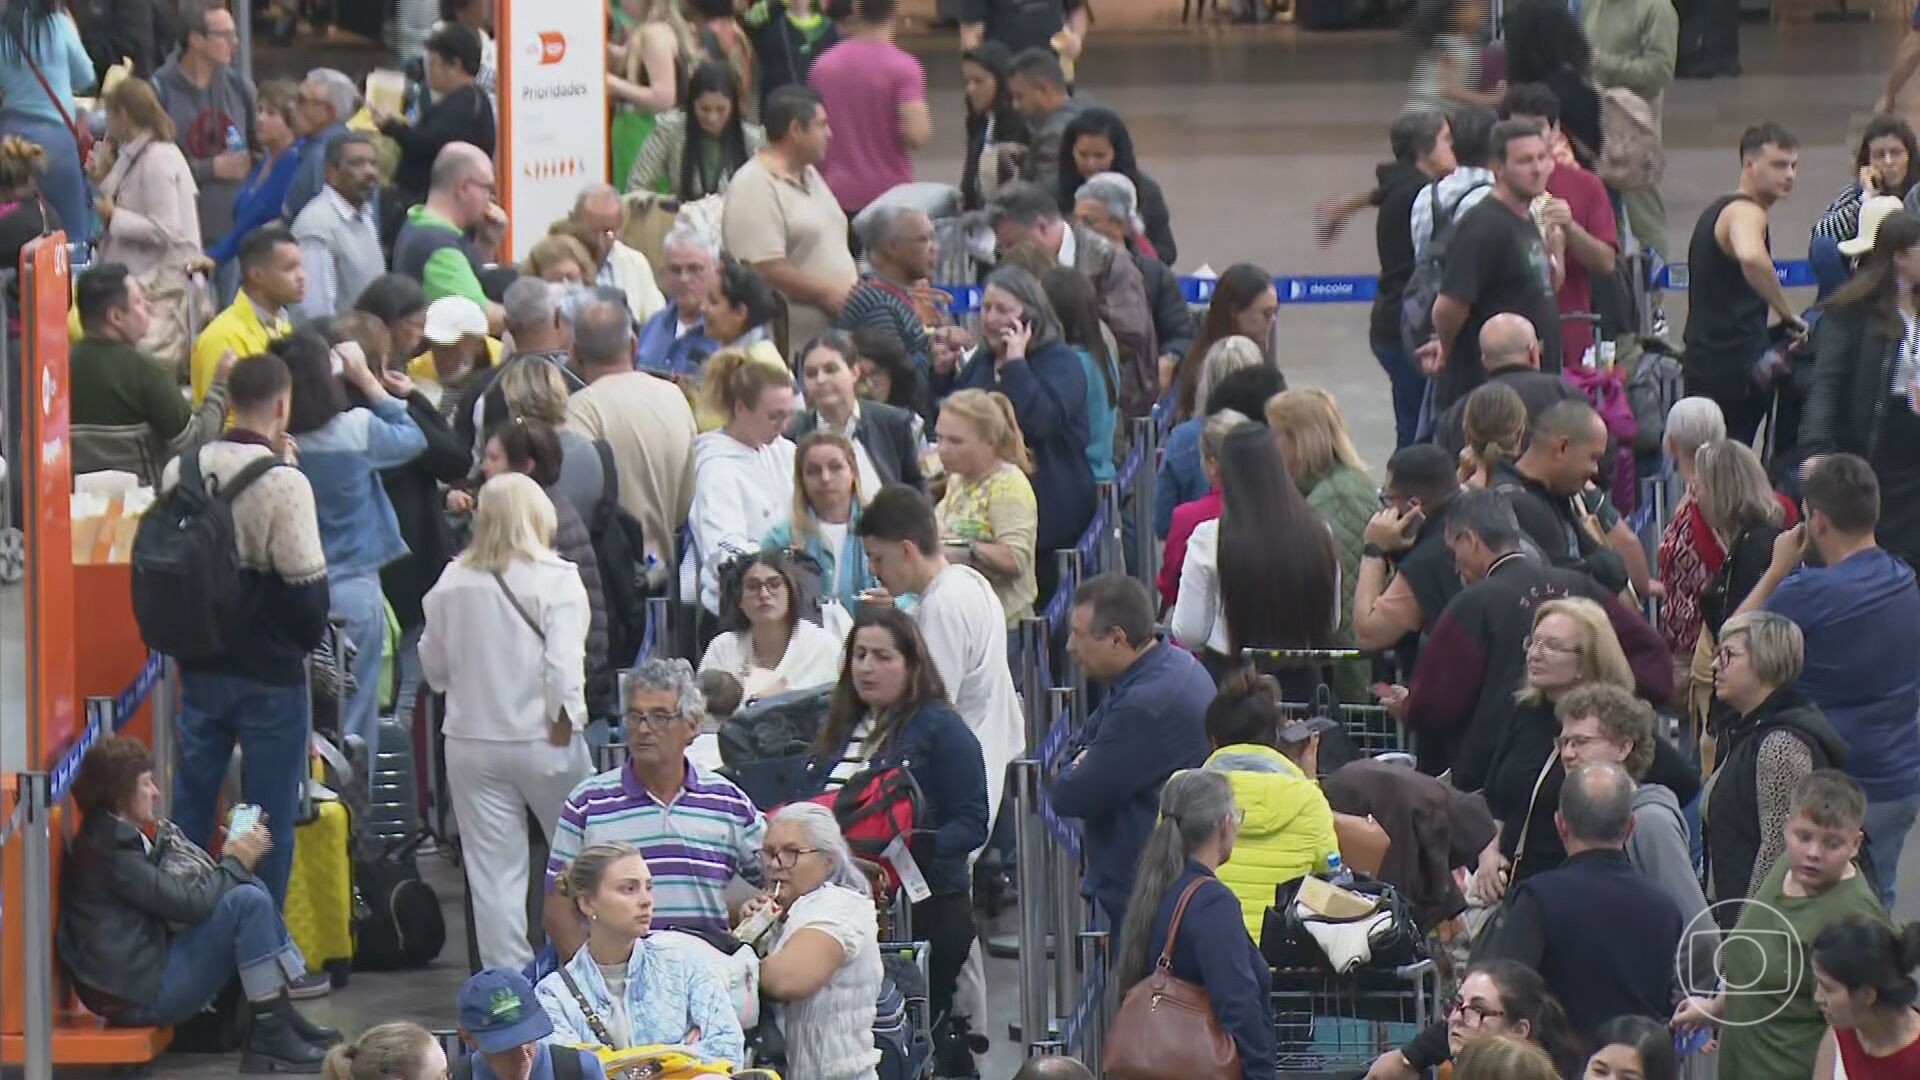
(1246, 130)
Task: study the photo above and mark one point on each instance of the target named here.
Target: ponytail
(383, 1052)
(1495, 424)
(1194, 803)
(733, 377)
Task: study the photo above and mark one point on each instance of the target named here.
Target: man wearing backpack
(254, 689)
(1499, 259)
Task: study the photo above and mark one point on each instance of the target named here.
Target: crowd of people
(773, 412)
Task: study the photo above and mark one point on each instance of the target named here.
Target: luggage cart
(1331, 1025)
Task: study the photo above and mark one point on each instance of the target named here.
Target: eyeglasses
(785, 858)
(658, 721)
(1576, 742)
(1725, 655)
(764, 586)
(1547, 644)
(1472, 1012)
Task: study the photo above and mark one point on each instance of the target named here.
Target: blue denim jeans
(1887, 825)
(245, 935)
(357, 599)
(62, 184)
(1409, 390)
(270, 723)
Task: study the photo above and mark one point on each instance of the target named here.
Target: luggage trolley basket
(1330, 1025)
(1368, 728)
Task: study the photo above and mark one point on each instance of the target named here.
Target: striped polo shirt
(694, 845)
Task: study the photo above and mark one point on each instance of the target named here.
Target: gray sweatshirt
(1659, 849)
(200, 117)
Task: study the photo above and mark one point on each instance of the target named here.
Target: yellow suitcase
(319, 907)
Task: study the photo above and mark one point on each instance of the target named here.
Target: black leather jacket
(115, 906)
(1852, 377)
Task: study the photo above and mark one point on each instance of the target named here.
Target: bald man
(1053, 1068)
(432, 246)
(597, 218)
(1510, 354)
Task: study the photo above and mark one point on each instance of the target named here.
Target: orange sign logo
(553, 46)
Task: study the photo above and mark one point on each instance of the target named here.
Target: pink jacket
(155, 219)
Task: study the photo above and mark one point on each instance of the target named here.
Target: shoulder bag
(82, 135)
(1165, 1028)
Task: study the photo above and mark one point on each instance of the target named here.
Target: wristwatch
(1373, 551)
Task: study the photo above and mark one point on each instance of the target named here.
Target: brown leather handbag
(1165, 1028)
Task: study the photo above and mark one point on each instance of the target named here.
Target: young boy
(1770, 1024)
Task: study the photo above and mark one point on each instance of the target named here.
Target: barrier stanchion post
(659, 626)
(1094, 966)
(1146, 436)
(36, 885)
(1045, 1048)
(1030, 846)
(1031, 639)
(1070, 573)
(165, 709)
(1064, 885)
(1113, 557)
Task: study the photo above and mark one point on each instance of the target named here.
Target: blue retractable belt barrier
(125, 704)
(1364, 288)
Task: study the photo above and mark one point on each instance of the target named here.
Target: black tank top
(1726, 319)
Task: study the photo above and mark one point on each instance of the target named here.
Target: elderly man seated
(702, 831)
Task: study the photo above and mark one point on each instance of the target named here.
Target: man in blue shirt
(1860, 614)
(1152, 724)
(504, 1030)
(328, 99)
(674, 342)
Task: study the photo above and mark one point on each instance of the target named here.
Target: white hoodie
(739, 495)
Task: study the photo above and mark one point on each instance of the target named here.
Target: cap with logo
(451, 318)
(498, 1010)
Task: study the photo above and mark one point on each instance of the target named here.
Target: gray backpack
(1423, 288)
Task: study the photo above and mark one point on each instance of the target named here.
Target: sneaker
(309, 986)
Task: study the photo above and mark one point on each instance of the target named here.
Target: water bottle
(236, 142)
(1337, 871)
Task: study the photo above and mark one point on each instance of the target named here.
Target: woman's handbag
(1165, 1028)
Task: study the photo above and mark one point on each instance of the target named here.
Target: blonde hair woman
(1504, 1057)
(560, 258)
(1573, 644)
(1495, 422)
(150, 222)
(989, 518)
(401, 1050)
(1328, 470)
(743, 472)
(825, 523)
(537, 391)
(506, 641)
(644, 72)
(1182, 478)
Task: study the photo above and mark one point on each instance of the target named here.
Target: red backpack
(876, 807)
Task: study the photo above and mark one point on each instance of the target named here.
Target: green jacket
(1635, 43)
(128, 414)
(1348, 499)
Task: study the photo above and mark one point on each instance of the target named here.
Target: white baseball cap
(1872, 213)
(451, 318)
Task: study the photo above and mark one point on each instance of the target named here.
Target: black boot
(954, 1048)
(303, 1027)
(273, 1046)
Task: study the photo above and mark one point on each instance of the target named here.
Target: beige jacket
(155, 220)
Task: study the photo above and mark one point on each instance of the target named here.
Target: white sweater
(812, 659)
(503, 683)
(739, 494)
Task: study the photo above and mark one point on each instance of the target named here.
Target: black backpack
(620, 548)
(398, 922)
(1423, 288)
(188, 592)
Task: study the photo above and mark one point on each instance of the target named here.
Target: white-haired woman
(506, 641)
(1689, 554)
(1183, 478)
(824, 968)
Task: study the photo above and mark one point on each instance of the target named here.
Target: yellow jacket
(238, 328)
(1288, 831)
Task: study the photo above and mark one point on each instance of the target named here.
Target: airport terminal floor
(1246, 129)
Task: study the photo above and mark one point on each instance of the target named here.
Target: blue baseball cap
(498, 1010)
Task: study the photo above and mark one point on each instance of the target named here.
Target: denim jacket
(859, 577)
(342, 460)
(668, 994)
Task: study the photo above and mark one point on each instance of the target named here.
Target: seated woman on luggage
(891, 710)
(767, 645)
(625, 989)
(824, 966)
(825, 523)
(152, 930)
